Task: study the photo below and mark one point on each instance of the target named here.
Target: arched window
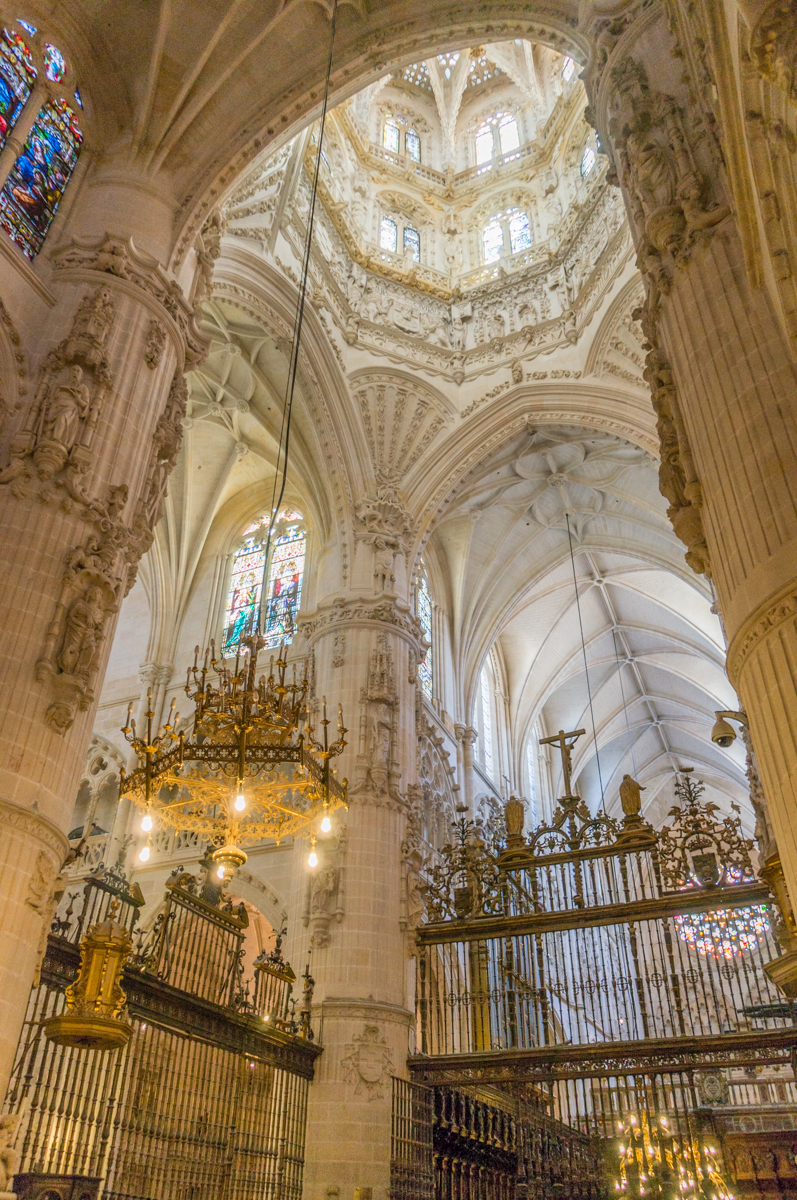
(388, 234)
(508, 134)
(508, 230)
(487, 723)
(285, 577)
(484, 144)
(423, 608)
(568, 67)
(17, 77)
(391, 136)
(587, 161)
(413, 145)
(35, 184)
(412, 242)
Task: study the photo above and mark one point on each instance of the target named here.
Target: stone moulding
(330, 615)
(764, 622)
(33, 823)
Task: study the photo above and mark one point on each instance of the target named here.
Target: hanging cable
(283, 445)
(625, 706)
(586, 670)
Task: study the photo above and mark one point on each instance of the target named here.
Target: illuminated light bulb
(266, 1017)
(144, 853)
(313, 859)
(143, 1027)
(220, 872)
(326, 825)
(240, 803)
(146, 823)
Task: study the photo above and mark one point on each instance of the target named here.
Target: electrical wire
(625, 706)
(283, 446)
(586, 669)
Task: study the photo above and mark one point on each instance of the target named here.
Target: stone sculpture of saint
(68, 406)
(84, 624)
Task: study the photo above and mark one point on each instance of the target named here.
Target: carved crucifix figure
(565, 743)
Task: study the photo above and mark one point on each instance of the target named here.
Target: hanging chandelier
(250, 768)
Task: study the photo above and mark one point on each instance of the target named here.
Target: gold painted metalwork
(95, 1018)
(656, 1160)
(250, 769)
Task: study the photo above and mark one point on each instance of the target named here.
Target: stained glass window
(725, 932)
(78, 100)
(26, 25)
(388, 237)
(493, 239)
(285, 577)
(391, 136)
(587, 161)
(243, 602)
(568, 67)
(519, 232)
(413, 144)
(508, 133)
(424, 610)
(17, 76)
(487, 724)
(484, 144)
(412, 241)
(36, 182)
(54, 65)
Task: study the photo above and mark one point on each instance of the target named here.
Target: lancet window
(285, 578)
(495, 137)
(388, 234)
(423, 608)
(412, 242)
(17, 77)
(391, 137)
(36, 182)
(486, 732)
(587, 161)
(531, 751)
(392, 140)
(508, 231)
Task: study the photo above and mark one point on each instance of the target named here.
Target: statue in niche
(384, 558)
(495, 326)
(82, 634)
(324, 887)
(67, 406)
(380, 744)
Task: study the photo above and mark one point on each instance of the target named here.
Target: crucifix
(565, 743)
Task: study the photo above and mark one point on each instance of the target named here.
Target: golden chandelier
(251, 768)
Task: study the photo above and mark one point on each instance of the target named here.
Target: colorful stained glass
(54, 65)
(423, 607)
(413, 144)
(388, 234)
(519, 232)
(493, 240)
(17, 76)
(243, 603)
(36, 182)
(285, 577)
(26, 25)
(391, 136)
(412, 242)
(724, 932)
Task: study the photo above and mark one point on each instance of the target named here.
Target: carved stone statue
(380, 744)
(384, 558)
(68, 406)
(630, 797)
(9, 1157)
(83, 633)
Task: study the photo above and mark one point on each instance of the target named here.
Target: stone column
(354, 903)
(723, 382)
(82, 479)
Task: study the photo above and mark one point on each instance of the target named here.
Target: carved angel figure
(83, 633)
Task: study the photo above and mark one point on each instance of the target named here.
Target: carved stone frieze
(384, 514)
(380, 610)
(154, 343)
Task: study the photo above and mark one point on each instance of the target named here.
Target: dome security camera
(723, 734)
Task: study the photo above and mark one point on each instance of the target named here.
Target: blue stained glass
(36, 182)
(285, 586)
(54, 65)
(519, 232)
(26, 25)
(17, 76)
(412, 241)
(424, 610)
(77, 98)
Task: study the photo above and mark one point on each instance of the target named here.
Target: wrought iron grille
(206, 1099)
